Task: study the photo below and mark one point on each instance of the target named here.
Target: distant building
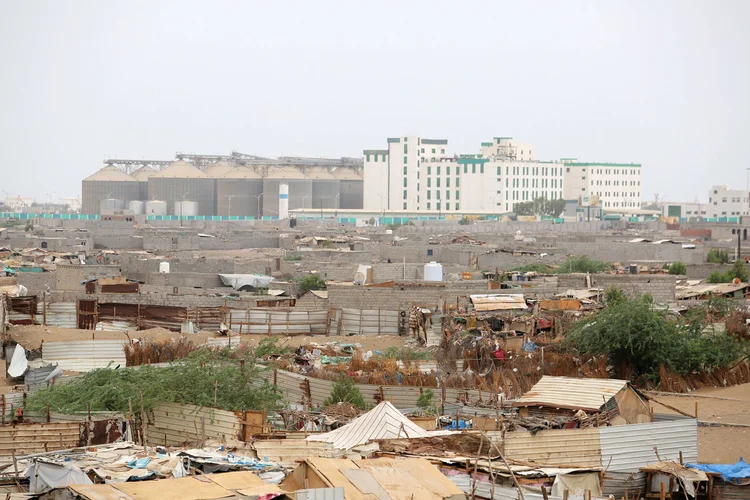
(421, 174)
(724, 205)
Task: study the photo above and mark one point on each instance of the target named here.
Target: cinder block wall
(35, 282)
(660, 286)
(69, 277)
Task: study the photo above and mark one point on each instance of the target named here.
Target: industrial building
(225, 185)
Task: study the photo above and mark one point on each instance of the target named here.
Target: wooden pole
(662, 493)
(88, 425)
(696, 409)
(143, 424)
(216, 389)
(544, 493)
(15, 468)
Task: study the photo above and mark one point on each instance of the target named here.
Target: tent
(382, 422)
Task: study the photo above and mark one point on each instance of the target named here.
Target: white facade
(618, 185)
(725, 202)
(420, 175)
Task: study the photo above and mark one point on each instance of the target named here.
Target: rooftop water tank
(433, 272)
(164, 267)
(137, 207)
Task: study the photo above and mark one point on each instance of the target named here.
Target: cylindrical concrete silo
(240, 192)
(300, 189)
(283, 201)
(108, 183)
(325, 188)
(351, 188)
(181, 181)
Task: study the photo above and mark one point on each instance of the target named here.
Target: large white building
(421, 174)
(723, 203)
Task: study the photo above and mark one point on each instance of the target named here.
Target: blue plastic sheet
(731, 473)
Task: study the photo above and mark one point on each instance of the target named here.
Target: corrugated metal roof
(627, 448)
(85, 355)
(587, 394)
(498, 302)
(180, 170)
(109, 173)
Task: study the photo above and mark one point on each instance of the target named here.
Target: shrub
(292, 257)
(583, 264)
(426, 402)
(717, 256)
(677, 268)
(534, 268)
(464, 221)
(344, 391)
(614, 295)
(738, 271)
(311, 282)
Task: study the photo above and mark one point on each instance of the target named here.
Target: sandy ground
(717, 444)
(368, 343)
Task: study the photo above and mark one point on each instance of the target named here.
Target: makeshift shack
(729, 481)
(674, 480)
(616, 401)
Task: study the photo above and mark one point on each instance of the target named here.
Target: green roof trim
(472, 155)
(375, 151)
(442, 142)
(394, 139)
(501, 138)
(600, 164)
(472, 161)
(487, 144)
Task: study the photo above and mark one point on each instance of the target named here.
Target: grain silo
(109, 183)
(239, 192)
(351, 187)
(300, 189)
(181, 181)
(142, 175)
(219, 169)
(325, 188)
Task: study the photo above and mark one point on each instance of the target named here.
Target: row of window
(624, 204)
(615, 194)
(615, 171)
(614, 183)
(734, 200)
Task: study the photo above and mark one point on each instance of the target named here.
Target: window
(433, 150)
(438, 170)
(406, 148)
(375, 158)
(437, 182)
(437, 195)
(404, 193)
(498, 171)
(404, 181)
(481, 168)
(442, 151)
(447, 206)
(448, 182)
(405, 171)
(457, 191)
(429, 252)
(429, 170)
(406, 139)
(429, 182)
(448, 171)
(404, 205)
(405, 160)
(567, 170)
(457, 209)
(457, 181)
(473, 169)
(466, 168)
(422, 150)
(447, 195)
(429, 193)
(506, 170)
(368, 157)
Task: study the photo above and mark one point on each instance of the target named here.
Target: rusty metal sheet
(100, 432)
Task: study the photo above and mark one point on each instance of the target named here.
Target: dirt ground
(368, 343)
(727, 405)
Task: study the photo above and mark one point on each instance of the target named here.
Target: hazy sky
(663, 83)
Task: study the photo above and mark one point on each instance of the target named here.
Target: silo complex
(142, 175)
(109, 183)
(181, 181)
(351, 187)
(325, 188)
(300, 189)
(238, 192)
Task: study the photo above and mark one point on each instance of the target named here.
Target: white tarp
(237, 281)
(44, 476)
(18, 363)
(382, 422)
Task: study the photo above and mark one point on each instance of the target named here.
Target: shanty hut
(615, 400)
(728, 481)
(181, 181)
(238, 192)
(109, 183)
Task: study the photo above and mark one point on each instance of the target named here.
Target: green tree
(583, 264)
(613, 295)
(739, 270)
(717, 256)
(524, 208)
(345, 391)
(311, 282)
(677, 268)
(426, 402)
(464, 221)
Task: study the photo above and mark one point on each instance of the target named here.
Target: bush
(534, 268)
(292, 257)
(614, 295)
(344, 391)
(638, 339)
(464, 221)
(583, 264)
(311, 282)
(738, 271)
(677, 268)
(717, 256)
(426, 402)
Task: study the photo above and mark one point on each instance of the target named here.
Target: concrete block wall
(69, 277)
(192, 280)
(36, 282)
(660, 286)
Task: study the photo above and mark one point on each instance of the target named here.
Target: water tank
(137, 207)
(164, 267)
(283, 201)
(186, 208)
(433, 271)
(156, 207)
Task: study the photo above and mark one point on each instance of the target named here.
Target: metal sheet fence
(173, 424)
(24, 439)
(59, 314)
(275, 322)
(84, 355)
(366, 322)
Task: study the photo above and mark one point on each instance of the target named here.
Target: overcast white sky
(663, 83)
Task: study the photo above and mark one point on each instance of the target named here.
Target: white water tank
(164, 267)
(283, 201)
(137, 207)
(185, 208)
(433, 271)
(156, 207)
